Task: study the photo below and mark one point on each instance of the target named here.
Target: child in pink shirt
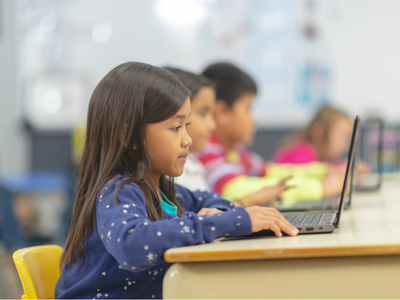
(325, 139)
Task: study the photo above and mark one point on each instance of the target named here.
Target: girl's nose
(187, 141)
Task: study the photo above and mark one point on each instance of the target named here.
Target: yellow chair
(38, 269)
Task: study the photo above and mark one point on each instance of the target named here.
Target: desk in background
(361, 259)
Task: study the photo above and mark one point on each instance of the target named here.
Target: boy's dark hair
(194, 82)
(128, 98)
(230, 82)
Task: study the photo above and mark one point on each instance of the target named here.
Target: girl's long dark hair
(126, 99)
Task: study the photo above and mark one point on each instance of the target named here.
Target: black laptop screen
(348, 168)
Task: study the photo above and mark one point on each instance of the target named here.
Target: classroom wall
(365, 54)
(360, 36)
(13, 144)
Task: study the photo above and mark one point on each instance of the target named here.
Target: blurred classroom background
(302, 53)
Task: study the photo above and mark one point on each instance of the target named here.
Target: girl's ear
(222, 113)
(123, 134)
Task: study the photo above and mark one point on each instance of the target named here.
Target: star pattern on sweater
(150, 256)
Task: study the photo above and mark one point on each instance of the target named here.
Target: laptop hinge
(335, 222)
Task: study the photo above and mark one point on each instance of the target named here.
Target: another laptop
(322, 221)
(371, 133)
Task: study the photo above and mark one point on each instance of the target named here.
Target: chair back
(38, 270)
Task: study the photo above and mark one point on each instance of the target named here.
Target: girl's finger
(288, 228)
(275, 228)
(276, 214)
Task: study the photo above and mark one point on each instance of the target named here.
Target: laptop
(322, 221)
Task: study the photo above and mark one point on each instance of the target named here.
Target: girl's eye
(203, 113)
(176, 128)
(187, 124)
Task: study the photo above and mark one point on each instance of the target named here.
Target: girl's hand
(209, 211)
(269, 218)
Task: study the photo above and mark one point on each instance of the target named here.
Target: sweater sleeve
(304, 188)
(137, 243)
(312, 169)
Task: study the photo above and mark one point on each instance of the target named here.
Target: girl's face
(168, 143)
(339, 138)
(201, 120)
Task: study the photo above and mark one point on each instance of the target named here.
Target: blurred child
(325, 139)
(202, 124)
(128, 211)
(232, 169)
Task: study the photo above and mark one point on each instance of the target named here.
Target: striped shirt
(223, 165)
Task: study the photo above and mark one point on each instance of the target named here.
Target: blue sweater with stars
(125, 251)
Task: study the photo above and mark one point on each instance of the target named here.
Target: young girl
(202, 124)
(325, 139)
(127, 213)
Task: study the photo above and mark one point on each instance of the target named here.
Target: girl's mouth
(182, 158)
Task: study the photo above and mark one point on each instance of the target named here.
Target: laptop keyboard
(304, 219)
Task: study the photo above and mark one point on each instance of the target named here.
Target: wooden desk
(361, 259)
